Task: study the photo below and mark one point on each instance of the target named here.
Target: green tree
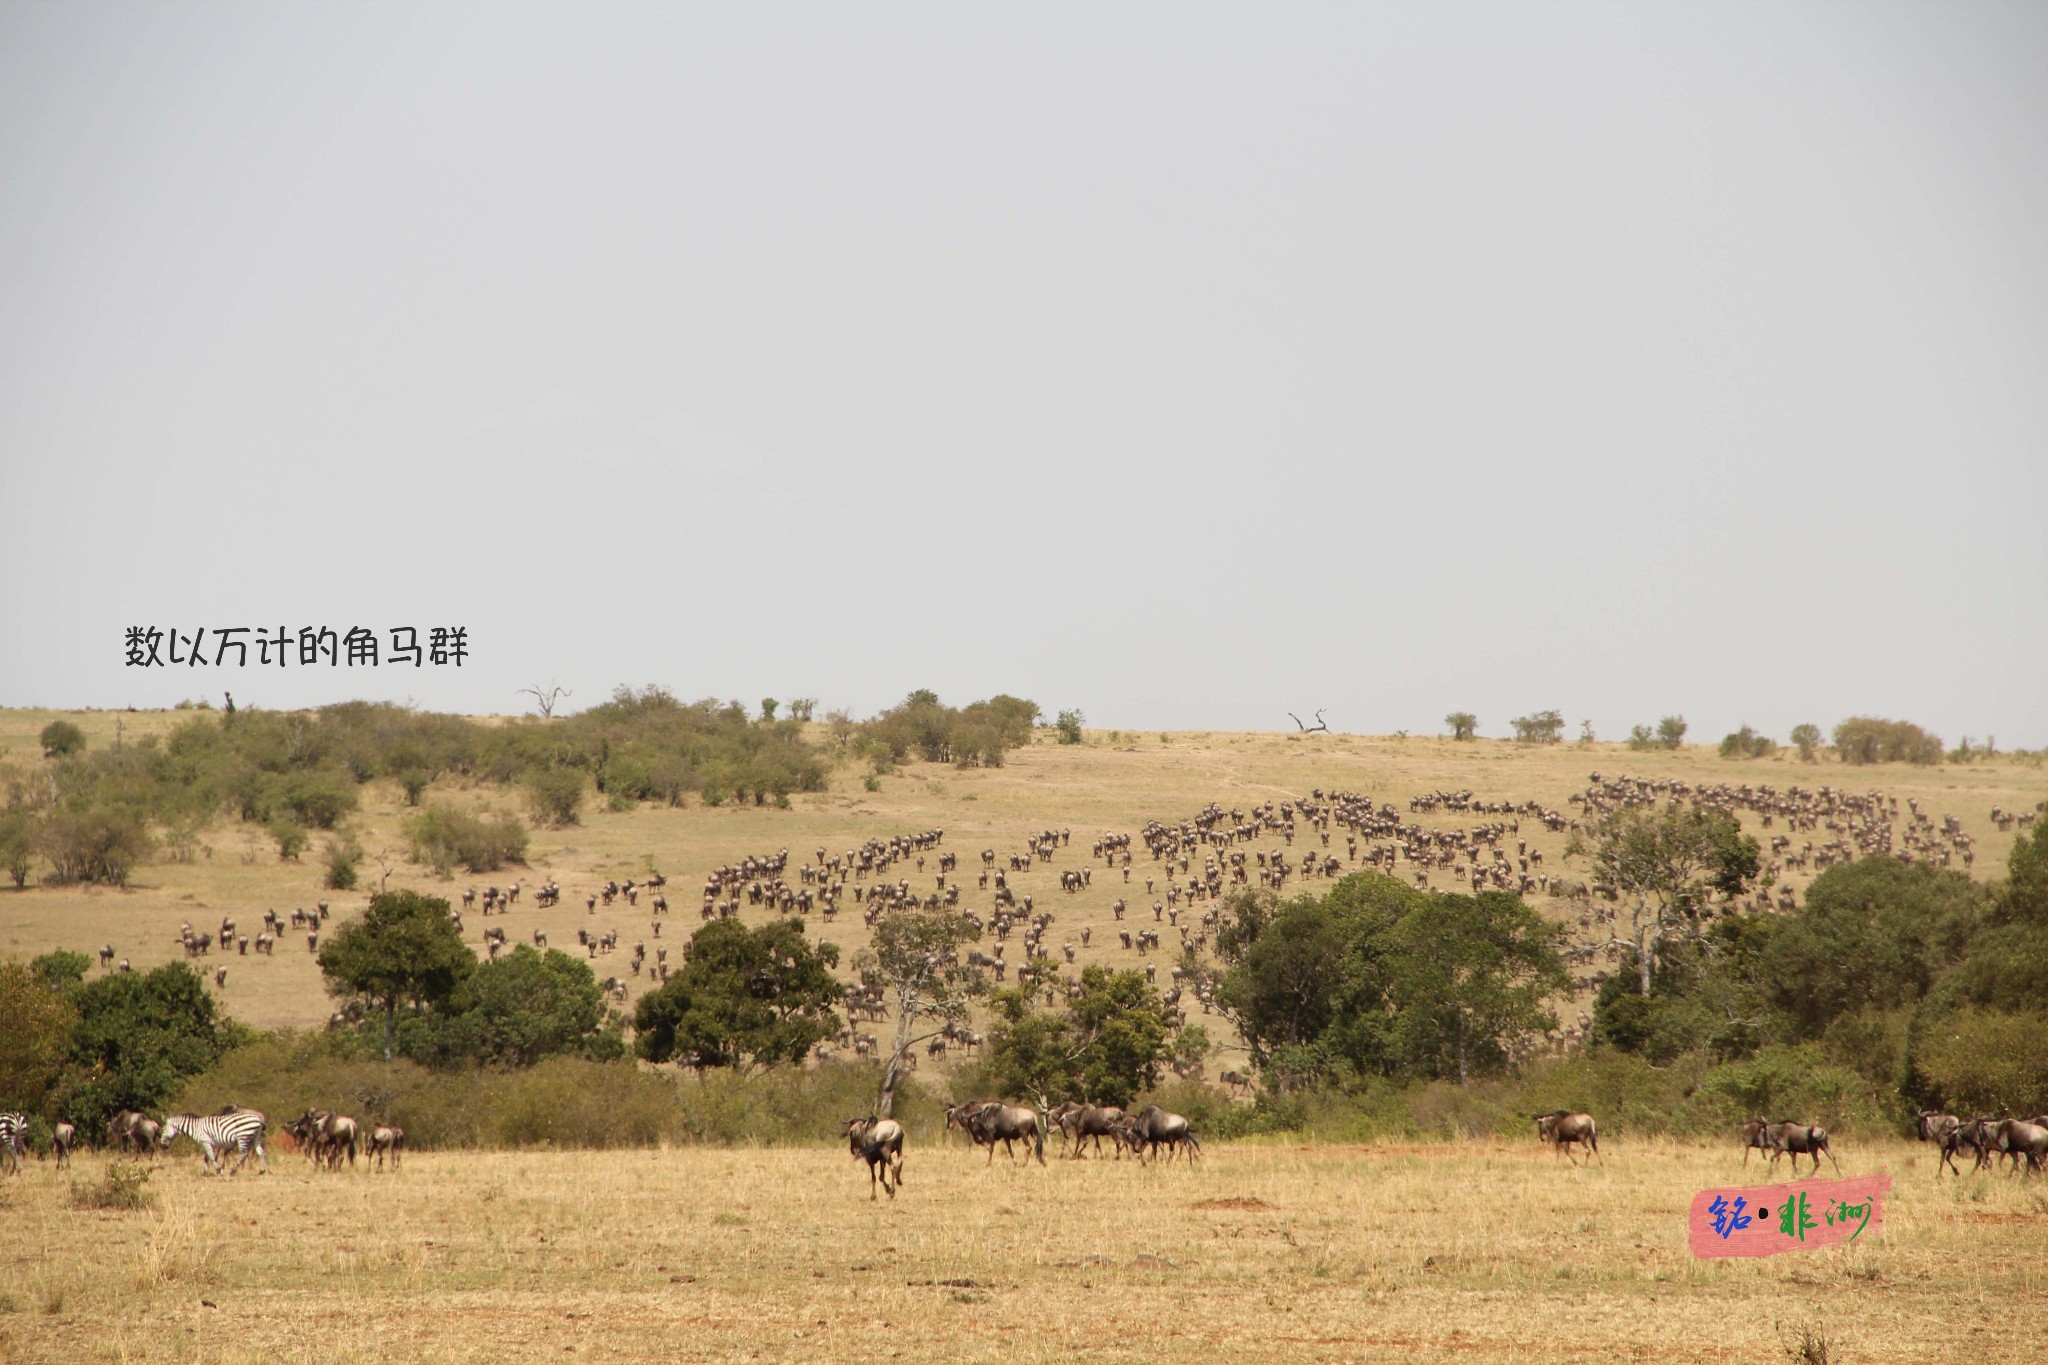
(37, 1022)
(61, 739)
(1747, 743)
(17, 844)
(1671, 731)
(768, 709)
(1539, 727)
(404, 950)
(1867, 739)
(1806, 739)
(1463, 724)
(557, 795)
(744, 998)
(93, 843)
(1104, 1046)
(914, 956)
(1665, 866)
(1642, 737)
(1872, 934)
(1468, 977)
(139, 1035)
(523, 1008)
(1069, 727)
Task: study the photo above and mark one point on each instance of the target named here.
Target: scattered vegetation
(1747, 743)
(1866, 739)
(1539, 727)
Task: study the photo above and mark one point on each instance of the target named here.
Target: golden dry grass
(1089, 788)
(1495, 1252)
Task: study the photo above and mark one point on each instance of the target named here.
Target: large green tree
(1872, 934)
(914, 958)
(1469, 978)
(744, 998)
(1104, 1046)
(404, 950)
(138, 1036)
(523, 1008)
(36, 1024)
(1666, 867)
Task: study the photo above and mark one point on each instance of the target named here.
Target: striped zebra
(13, 1137)
(233, 1127)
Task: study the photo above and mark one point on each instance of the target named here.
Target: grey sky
(1185, 364)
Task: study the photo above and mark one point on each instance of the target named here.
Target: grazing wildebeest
(1152, 1128)
(130, 1130)
(1563, 1129)
(385, 1139)
(1007, 1123)
(880, 1142)
(1096, 1121)
(1800, 1139)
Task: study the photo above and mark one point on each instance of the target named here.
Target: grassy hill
(1114, 781)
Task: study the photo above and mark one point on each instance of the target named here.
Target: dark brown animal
(1564, 1130)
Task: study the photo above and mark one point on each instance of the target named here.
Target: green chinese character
(1792, 1219)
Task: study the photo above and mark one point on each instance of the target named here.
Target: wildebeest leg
(1831, 1160)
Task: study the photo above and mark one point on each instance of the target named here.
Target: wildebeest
(1007, 1123)
(62, 1138)
(880, 1142)
(1563, 1129)
(2021, 1138)
(1097, 1121)
(385, 1139)
(131, 1130)
(1152, 1128)
(1799, 1139)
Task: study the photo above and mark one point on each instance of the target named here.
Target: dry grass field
(1114, 782)
(1494, 1252)
(1490, 1252)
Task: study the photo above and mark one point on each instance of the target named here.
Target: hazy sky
(1186, 364)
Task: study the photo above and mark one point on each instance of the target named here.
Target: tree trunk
(1461, 1047)
(390, 1024)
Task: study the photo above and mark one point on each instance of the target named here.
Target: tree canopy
(521, 1009)
(1104, 1046)
(744, 998)
(404, 950)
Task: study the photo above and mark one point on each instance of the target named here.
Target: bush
(1463, 724)
(342, 860)
(291, 840)
(94, 844)
(1069, 727)
(1539, 727)
(1747, 743)
(120, 1189)
(1806, 739)
(61, 739)
(1983, 1061)
(1866, 739)
(557, 794)
(1642, 737)
(444, 838)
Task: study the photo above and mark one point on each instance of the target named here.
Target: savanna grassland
(1495, 1251)
(1267, 1250)
(1115, 781)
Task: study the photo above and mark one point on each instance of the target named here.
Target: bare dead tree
(546, 698)
(1320, 724)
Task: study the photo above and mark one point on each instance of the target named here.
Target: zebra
(233, 1127)
(13, 1137)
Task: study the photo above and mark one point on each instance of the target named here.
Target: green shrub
(445, 838)
(557, 795)
(342, 860)
(1747, 743)
(93, 844)
(61, 739)
(1069, 727)
(291, 840)
(120, 1189)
